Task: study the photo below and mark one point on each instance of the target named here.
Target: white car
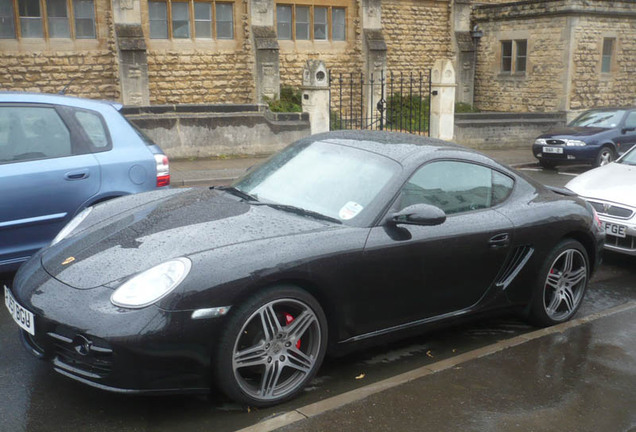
(611, 189)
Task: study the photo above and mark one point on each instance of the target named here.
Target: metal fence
(395, 102)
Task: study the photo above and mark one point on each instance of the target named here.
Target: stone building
(555, 55)
(537, 55)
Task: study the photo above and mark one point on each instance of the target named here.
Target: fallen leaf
(360, 376)
(428, 353)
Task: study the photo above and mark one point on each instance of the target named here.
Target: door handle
(499, 241)
(77, 175)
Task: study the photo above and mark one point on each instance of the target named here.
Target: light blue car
(60, 155)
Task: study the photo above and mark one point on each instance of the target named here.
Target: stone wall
(503, 130)
(201, 131)
(40, 65)
(589, 86)
(563, 70)
(417, 33)
(542, 87)
(215, 71)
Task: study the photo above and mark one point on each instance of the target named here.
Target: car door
(627, 133)
(46, 175)
(419, 272)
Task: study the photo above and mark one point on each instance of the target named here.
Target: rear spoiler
(561, 190)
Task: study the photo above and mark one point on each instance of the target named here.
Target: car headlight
(575, 143)
(151, 285)
(540, 141)
(74, 223)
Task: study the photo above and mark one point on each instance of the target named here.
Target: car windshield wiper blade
(301, 211)
(237, 192)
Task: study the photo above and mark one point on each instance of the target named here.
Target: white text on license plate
(558, 150)
(615, 229)
(20, 315)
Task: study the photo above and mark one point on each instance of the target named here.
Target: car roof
(395, 145)
(56, 99)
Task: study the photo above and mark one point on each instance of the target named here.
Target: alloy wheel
(278, 347)
(565, 285)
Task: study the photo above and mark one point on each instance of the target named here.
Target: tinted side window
(94, 128)
(630, 121)
(456, 187)
(28, 133)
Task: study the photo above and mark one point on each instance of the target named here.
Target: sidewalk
(579, 376)
(201, 172)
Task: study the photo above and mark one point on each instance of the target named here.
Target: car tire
(605, 155)
(561, 284)
(272, 347)
(547, 164)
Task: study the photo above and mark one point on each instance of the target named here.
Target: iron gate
(395, 102)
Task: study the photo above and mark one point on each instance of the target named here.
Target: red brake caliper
(288, 320)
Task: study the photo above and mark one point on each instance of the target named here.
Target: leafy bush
(407, 113)
(462, 107)
(290, 100)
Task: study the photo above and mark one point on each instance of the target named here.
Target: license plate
(615, 229)
(557, 150)
(20, 315)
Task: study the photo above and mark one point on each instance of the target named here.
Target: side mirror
(629, 129)
(419, 214)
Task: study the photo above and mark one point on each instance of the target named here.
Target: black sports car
(341, 238)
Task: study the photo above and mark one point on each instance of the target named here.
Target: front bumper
(624, 245)
(569, 155)
(86, 338)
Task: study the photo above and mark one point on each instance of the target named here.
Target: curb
(339, 401)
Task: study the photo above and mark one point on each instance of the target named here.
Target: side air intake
(517, 261)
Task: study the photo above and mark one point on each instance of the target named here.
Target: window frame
(607, 59)
(192, 21)
(329, 8)
(397, 206)
(511, 64)
(16, 21)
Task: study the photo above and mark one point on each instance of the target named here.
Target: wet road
(34, 398)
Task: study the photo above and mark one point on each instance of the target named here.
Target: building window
(203, 20)
(30, 19)
(514, 56)
(180, 21)
(338, 23)
(299, 22)
(57, 18)
(7, 26)
(224, 21)
(606, 58)
(190, 19)
(284, 21)
(64, 19)
(302, 23)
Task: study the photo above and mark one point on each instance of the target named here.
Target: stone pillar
(442, 121)
(374, 51)
(266, 50)
(316, 95)
(463, 42)
(131, 50)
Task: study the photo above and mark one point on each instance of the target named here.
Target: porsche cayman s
(340, 239)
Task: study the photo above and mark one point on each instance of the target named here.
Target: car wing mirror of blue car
(418, 214)
(627, 129)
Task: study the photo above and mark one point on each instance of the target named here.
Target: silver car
(611, 189)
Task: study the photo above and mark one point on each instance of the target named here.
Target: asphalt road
(34, 398)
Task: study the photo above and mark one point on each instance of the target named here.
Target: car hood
(613, 182)
(566, 132)
(118, 244)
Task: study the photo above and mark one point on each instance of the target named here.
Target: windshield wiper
(237, 192)
(301, 211)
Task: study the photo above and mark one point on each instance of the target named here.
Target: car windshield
(597, 118)
(333, 180)
(628, 158)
